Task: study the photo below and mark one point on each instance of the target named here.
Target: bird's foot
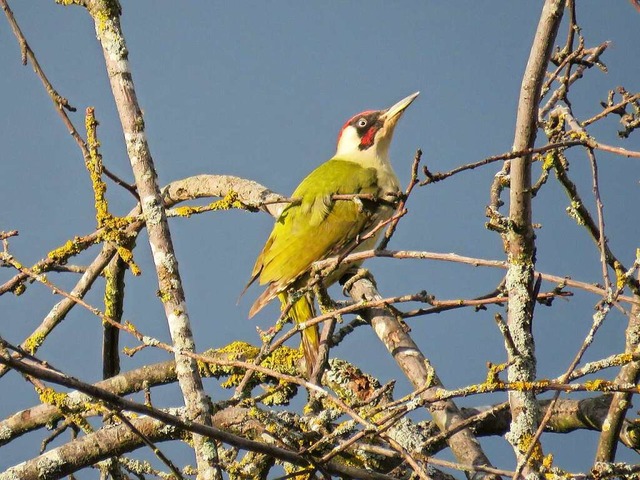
(352, 277)
(359, 204)
(393, 198)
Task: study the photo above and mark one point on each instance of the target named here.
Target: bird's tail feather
(301, 311)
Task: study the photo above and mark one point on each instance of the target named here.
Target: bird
(316, 225)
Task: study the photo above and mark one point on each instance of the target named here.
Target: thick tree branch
(520, 238)
(629, 373)
(420, 373)
(106, 16)
(113, 308)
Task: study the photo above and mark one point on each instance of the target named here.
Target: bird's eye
(362, 122)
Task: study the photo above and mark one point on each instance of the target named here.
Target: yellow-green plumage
(313, 228)
(316, 225)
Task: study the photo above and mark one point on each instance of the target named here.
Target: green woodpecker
(316, 226)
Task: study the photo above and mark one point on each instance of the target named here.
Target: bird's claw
(359, 204)
(359, 274)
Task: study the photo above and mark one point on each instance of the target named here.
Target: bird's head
(369, 133)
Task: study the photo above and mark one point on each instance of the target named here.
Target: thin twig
(602, 239)
(156, 451)
(611, 109)
(476, 262)
(438, 176)
(59, 102)
(440, 306)
(403, 202)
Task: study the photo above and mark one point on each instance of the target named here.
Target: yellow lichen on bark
(283, 360)
(599, 385)
(33, 342)
(537, 455)
(69, 249)
(113, 227)
(229, 201)
(72, 412)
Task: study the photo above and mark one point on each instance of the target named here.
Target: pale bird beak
(393, 113)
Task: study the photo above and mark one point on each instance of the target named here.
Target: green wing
(318, 227)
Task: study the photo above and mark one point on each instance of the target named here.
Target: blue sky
(260, 90)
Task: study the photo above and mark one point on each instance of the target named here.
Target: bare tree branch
(106, 16)
(520, 241)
